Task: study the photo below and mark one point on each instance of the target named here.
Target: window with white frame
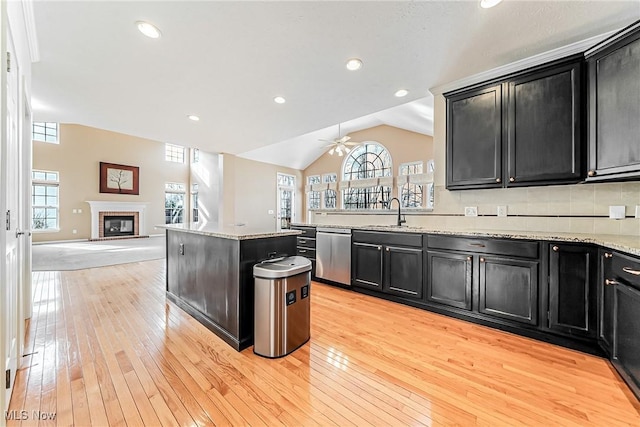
(195, 213)
(45, 200)
(313, 197)
(330, 195)
(411, 195)
(365, 163)
(285, 200)
(45, 132)
(196, 156)
(173, 153)
(174, 195)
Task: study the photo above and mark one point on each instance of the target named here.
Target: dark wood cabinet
(449, 278)
(620, 319)
(474, 138)
(523, 129)
(614, 106)
(388, 262)
(509, 289)
(545, 137)
(366, 265)
(403, 271)
(306, 245)
(572, 289)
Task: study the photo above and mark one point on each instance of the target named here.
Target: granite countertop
(628, 244)
(233, 232)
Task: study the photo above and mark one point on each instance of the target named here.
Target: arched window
(365, 163)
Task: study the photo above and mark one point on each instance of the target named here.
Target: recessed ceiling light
(486, 4)
(401, 92)
(279, 100)
(193, 117)
(148, 30)
(354, 64)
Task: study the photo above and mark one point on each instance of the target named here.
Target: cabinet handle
(477, 245)
(591, 173)
(469, 258)
(608, 255)
(379, 248)
(302, 241)
(555, 248)
(512, 179)
(302, 251)
(498, 180)
(387, 249)
(481, 259)
(610, 282)
(631, 271)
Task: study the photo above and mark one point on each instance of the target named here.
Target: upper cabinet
(614, 106)
(525, 129)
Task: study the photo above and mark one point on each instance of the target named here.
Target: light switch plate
(75, 211)
(502, 211)
(79, 210)
(617, 212)
(471, 211)
(270, 212)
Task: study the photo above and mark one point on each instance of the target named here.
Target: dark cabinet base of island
(211, 278)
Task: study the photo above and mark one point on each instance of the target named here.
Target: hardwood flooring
(104, 347)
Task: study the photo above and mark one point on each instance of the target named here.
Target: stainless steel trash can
(281, 305)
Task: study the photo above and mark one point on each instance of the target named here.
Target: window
(194, 203)
(410, 194)
(173, 153)
(366, 162)
(196, 155)
(45, 131)
(174, 203)
(313, 196)
(330, 196)
(44, 200)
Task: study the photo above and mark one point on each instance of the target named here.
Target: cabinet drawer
(305, 252)
(626, 269)
(306, 242)
(520, 248)
(306, 231)
(388, 238)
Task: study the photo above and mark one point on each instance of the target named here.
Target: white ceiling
(226, 61)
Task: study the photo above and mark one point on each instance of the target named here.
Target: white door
(9, 171)
(285, 200)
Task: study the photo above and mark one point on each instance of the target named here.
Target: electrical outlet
(79, 210)
(617, 212)
(270, 212)
(471, 211)
(502, 211)
(75, 211)
(74, 231)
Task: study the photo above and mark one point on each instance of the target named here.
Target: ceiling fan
(339, 145)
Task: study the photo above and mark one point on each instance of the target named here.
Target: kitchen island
(210, 273)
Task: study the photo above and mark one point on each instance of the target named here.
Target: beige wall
(77, 159)
(206, 173)
(581, 208)
(250, 192)
(403, 145)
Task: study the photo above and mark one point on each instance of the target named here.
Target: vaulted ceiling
(226, 61)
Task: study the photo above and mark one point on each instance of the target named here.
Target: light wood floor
(106, 348)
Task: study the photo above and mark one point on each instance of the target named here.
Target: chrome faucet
(400, 220)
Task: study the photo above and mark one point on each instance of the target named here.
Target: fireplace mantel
(98, 206)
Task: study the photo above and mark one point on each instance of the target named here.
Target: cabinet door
(509, 289)
(403, 271)
(366, 265)
(449, 279)
(544, 127)
(572, 290)
(474, 139)
(627, 333)
(614, 108)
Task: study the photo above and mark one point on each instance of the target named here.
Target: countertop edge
(236, 235)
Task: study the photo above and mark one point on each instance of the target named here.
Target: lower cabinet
(509, 289)
(388, 262)
(572, 290)
(449, 279)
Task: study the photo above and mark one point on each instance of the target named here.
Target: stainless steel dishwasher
(333, 254)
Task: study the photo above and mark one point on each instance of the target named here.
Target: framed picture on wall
(121, 179)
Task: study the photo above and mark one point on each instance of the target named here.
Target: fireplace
(117, 220)
(118, 225)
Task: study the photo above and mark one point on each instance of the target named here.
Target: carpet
(81, 255)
